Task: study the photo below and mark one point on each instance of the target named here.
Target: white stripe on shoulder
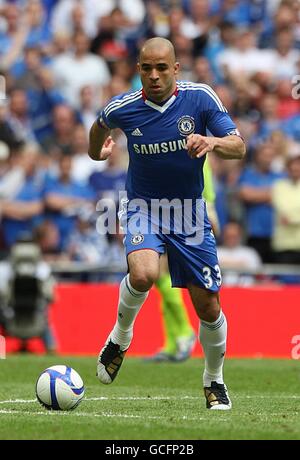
(185, 86)
(126, 102)
(209, 88)
(121, 100)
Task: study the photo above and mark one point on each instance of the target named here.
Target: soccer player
(166, 124)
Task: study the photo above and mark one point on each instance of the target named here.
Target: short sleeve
(218, 121)
(108, 115)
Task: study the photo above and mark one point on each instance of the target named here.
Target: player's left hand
(198, 145)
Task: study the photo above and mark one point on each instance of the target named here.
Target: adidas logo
(136, 132)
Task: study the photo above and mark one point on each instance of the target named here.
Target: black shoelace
(219, 391)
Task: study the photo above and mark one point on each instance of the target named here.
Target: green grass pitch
(154, 401)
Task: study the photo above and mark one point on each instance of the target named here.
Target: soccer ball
(59, 388)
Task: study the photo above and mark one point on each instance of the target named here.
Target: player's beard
(161, 94)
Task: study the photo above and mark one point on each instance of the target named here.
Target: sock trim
(130, 289)
(216, 325)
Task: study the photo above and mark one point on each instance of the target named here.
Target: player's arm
(229, 147)
(225, 141)
(100, 141)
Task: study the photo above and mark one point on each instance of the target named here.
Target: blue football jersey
(159, 165)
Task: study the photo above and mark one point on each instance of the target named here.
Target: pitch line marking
(154, 398)
(18, 401)
(101, 415)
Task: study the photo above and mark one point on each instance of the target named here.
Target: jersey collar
(165, 106)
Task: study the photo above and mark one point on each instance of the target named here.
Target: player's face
(158, 72)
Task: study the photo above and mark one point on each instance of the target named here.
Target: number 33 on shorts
(212, 275)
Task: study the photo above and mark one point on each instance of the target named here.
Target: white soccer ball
(59, 388)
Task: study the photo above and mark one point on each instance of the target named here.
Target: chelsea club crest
(186, 125)
(137, 239)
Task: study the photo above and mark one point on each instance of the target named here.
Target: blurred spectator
(291, 126)
(269, 121)
(280, 145)
(39, 32)
(286, 203)
(133, 10)
(62, 42)
(11, 172)
(86, 244)
(238, 12)
(119, 85)
(178, 21)
(116, 256)
(7, 134)
(184, 54)
(283, 17)
(287, 104)
(42, 102)
(93, 11)
(226, 177)
(244, 60)
(35, 77)
(158, 23)
(125, 70)
(255, 192)
(110, 41)
(4, 156)
(225, 40)
(245, 112)
(46, 234)
(18, 116)
(285, 57)
(199, 24)
(82, 166)
(13, 39)
(24, 73)
(64, 198)
(203, 72)
(235, 256)
(109, 182)
(60, 140)
(226, 96)
(88, 106)
(22, 210)
(26, 27)
(79, 68)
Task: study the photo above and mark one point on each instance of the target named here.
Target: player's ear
(138, 66)
(176, 68)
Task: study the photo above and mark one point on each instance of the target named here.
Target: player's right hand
(198, 145)
(107, 148)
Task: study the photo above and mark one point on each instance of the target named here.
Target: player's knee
(209, 311)
(143, 280)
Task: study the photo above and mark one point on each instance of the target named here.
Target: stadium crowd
(62, 60)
